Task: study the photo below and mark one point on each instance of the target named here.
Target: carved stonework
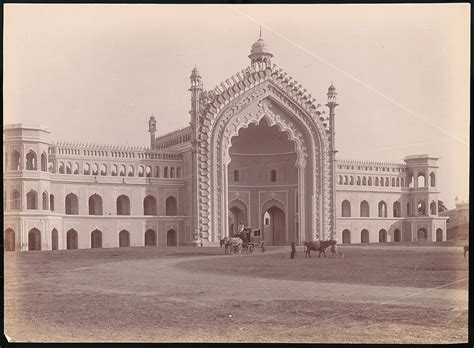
(247, 99)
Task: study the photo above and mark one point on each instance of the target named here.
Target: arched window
(171, 206)
(351, 180)
(397, 235)
(123, 205)
(171, 238)
(382, 236)
(364, 181)
(346, 208)
(9, 240)
(95, 169)
(15, 160)
(172, 172)
(236, 175)
(44, 162)
(157, 172)
(382, 182)
(364, 209)
(369, 181)
(54, 239)
(75, 168)
(15, 200)
(376, 181)
(148, 171)
(421, 180)
(124, 239)
(31, 161)
(346, 237)
(165, 172)
(358, 181)
(122, 170)
(439, 235)
(387, 182)
(32, 200)
(103, 169)
(340, 180)
(421, 208)
(45, 201)
(95, 205)
(382, 209)
(87, 169)
(364, 236)
(150, 238)
(433, 208)
(114, 170)
(51, 202)
(96, 239)
(71, 239)
(432, 180)
(72, 204)
(149, 206)
(68, 168)
(393, 182)
(346, 180)
(396, 209)
(273, 176)
(34, 239)
(408, 209)
(141, 171)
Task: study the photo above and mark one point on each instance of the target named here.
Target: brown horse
(317, 245)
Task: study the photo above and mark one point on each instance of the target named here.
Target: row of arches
(422, 236)
(34, 239)
(141, 171)
(376, 168)
(115, 154)
(421, 180)
(382, 209)
(122, 205)
(370, 181)
(31, 161)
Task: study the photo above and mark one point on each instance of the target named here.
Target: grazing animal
(317, 245)
(293, 250)
(466, 250)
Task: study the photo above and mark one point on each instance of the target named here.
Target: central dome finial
(260, 51)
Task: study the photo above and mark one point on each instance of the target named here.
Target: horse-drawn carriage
(248, 239)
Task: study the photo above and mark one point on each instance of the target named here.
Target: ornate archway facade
(263, 91)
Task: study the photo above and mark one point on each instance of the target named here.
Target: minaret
(331, 104)
(152, 130)
(195, 89)
(260, 52)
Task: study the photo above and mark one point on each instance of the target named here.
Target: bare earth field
(376, 294)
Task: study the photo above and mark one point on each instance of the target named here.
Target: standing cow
(317, 245)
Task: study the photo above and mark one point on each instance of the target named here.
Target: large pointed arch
(250, 96)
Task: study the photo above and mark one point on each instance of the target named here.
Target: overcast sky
(97, 72)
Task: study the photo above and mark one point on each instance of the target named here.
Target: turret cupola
(260, 51)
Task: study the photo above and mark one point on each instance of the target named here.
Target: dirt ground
(375, 294)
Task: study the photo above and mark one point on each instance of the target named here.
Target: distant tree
(441, 206)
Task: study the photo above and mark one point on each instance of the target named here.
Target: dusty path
(162, 300)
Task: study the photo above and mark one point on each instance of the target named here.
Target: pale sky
(97, 72)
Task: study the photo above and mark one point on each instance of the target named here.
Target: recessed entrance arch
(303, 125)
(54, 239)
(422, 235)
(274, 233)
(71, 239)
(150, 238)
(9, 240)
(124, 239)
(96, 239)
(171, 238)
(34, 239)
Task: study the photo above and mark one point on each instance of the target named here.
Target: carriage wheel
(250, 248)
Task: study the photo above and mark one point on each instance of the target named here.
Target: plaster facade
(259, 149)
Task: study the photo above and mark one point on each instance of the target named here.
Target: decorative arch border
(220, 118)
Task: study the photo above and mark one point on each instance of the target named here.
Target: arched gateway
(263, 94)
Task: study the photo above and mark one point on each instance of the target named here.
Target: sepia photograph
(236, 173)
